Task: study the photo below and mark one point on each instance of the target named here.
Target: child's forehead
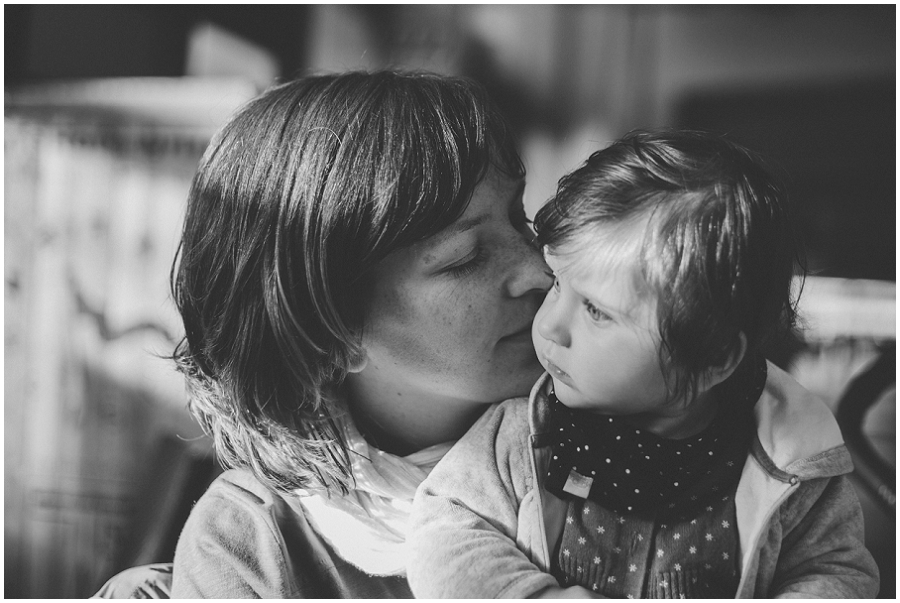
(585, 261)
(609, 275)
(598, 252)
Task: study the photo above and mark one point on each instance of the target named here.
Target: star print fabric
(638, 557)
(676, 541)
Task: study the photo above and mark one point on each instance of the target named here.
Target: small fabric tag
(578, 485)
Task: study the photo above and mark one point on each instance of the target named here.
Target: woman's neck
(401, 419)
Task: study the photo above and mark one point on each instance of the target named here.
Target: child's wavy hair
(718, 248)
(296, 199)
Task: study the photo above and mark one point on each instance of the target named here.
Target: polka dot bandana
(632, 471)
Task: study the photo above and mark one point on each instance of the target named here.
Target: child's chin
(564, 395)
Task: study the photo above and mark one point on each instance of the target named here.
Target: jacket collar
(797, 435)
(796, 432)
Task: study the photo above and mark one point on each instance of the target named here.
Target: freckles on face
(451, 315)
(433, 330)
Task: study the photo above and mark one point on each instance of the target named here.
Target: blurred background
(108, 108)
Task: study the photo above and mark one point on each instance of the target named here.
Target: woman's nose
(530, 273)
(551, 322)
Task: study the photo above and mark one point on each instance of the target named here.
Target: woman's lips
(523, 334)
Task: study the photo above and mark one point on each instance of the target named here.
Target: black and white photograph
(450, 301)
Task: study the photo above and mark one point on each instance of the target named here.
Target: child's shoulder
(510, 412)
(504, 426)
(529, 412)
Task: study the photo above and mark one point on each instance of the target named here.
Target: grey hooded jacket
(482, 525)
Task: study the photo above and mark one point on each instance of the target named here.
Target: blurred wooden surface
(96, 176)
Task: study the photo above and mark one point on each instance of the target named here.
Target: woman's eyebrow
(426, 249)
(454, 229)
(461, 226)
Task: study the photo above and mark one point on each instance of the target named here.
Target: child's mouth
(558, 373)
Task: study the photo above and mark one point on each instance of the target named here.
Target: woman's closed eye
(467, 265)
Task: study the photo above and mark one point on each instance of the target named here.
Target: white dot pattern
(680, 549)
(631, 470)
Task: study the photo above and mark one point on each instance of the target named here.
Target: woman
(357, 283)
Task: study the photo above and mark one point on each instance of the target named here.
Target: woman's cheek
(455, 307)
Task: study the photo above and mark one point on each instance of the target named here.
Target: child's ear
(717, 374)
(358, 362)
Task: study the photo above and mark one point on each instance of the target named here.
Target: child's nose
(553, 324)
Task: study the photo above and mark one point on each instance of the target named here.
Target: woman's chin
(524, 379)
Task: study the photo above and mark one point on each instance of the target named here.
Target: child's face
(596, 334)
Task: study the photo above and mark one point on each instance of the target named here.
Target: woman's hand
(572, 592)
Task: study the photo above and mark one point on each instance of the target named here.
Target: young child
(661, 455)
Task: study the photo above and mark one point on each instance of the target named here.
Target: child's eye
(467, 267)
(596, 314)
(556, 284)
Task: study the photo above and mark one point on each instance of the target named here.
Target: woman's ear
(717, 374)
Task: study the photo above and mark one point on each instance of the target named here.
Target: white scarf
(367, 527)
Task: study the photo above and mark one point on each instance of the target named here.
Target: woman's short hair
(295, 200)
(710, 226)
